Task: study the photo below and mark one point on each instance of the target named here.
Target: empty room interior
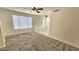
(39, 29)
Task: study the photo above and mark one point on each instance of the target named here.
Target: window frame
(19, 22)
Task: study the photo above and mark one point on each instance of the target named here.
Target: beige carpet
(32, 41)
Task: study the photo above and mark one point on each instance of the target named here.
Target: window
(22, 22)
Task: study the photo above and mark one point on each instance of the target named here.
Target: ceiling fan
(37, 9)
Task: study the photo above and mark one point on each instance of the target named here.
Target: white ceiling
(45, 11)
(29, 8)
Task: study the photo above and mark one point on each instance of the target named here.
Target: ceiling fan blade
(39, 8)
(37, 11)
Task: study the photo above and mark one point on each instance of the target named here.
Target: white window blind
(22, 22)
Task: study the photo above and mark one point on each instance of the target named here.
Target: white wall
(40, 26)
(64, 25)
(37, 23)
(6, 22)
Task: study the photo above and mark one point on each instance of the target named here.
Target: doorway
(1, 39)
(46, 21)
